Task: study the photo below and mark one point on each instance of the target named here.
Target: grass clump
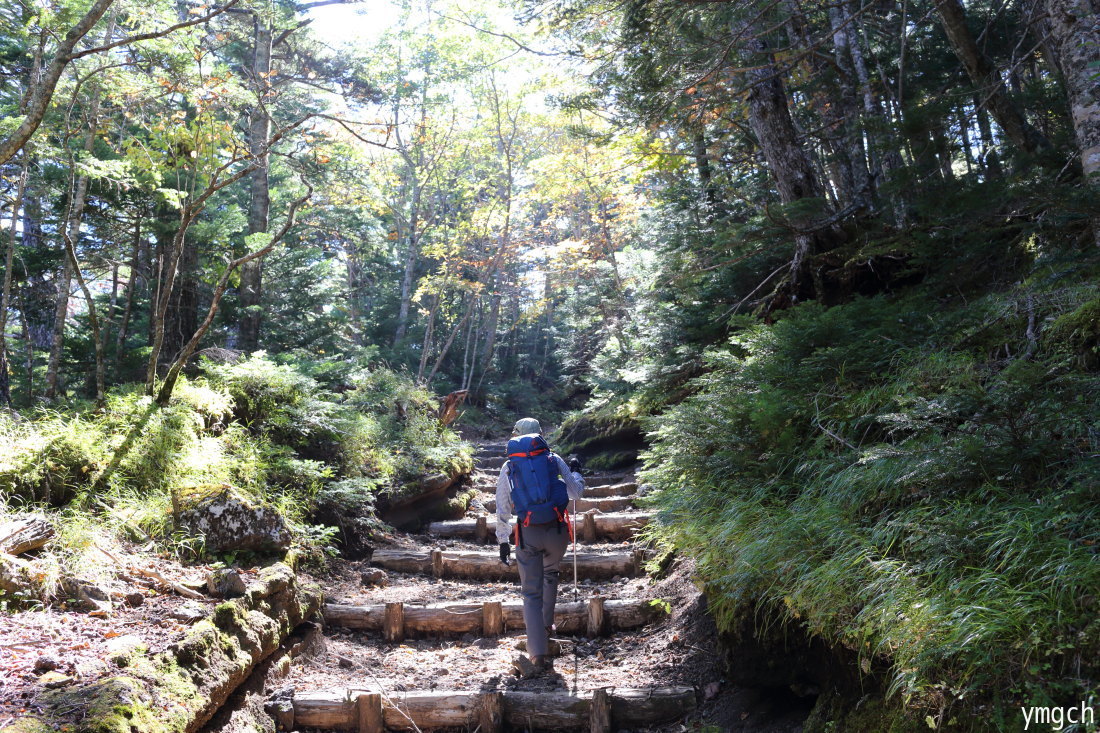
(912, 482)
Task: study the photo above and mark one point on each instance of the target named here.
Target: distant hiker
(535, 485)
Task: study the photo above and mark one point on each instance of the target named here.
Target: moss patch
(181, 688)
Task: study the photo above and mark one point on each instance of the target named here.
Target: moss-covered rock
(606, 438)
(227, 521)
(180, 689)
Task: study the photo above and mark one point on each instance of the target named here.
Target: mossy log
(618, 526)
(487, 566)
(629, 708)
(610, 504)
(179, 690)
(471, 618)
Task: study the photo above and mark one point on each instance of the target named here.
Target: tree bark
(1076, 34)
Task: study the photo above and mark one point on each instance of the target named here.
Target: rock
(375, 576)
(189, 612)
(46, 663)
(86, 595)
(53, 680)
(120, 650)
(345, 662)
(225, 583)
(228, 522)
(711, 690)
(134, 598)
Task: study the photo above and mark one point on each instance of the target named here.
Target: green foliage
(267, 429)
(880, 474)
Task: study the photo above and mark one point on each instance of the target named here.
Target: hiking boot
(524, 668)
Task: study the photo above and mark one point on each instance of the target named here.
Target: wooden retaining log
(615, 526)
(592, 481)
(593, 617)
(623, 708)
(487, 565)
(609, 504)
(628, 488)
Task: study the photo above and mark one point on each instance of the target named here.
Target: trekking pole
(576, 598)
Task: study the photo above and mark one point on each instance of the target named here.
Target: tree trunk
(131, 287)
(182, 317)
(57, 336)
(71, 237)
(790, 167)
(987, 79)
(849, 106)
(990, 161)
(5, 298)
(259, 208)
(1076, 35)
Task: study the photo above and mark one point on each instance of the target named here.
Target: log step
(371, 712)
(487, 565)
(491, 464)
(594, 617)
(598, 492)
(591, 527)
(591, 481)
(609, 504)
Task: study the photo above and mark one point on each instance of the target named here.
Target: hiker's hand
(505, 552)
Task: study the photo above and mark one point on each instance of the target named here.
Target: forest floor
(50, 647)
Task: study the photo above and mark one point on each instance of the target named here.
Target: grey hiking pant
(539, 561)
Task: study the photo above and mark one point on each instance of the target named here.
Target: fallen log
(472, 618)
(610, 504)
(486, 565)
(629, 708)
(618, 526)
(26, 534)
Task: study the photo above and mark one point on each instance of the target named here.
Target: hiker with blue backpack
(536, 486)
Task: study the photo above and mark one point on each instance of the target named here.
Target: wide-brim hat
(527, 426)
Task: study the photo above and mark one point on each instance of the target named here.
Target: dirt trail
(674, 650)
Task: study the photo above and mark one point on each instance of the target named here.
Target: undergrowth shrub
(910, 481)
(265, 428)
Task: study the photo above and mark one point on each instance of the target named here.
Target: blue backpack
(538, 492)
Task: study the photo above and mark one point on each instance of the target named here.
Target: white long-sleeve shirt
(574, 485)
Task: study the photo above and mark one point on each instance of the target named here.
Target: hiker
(535, 485)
